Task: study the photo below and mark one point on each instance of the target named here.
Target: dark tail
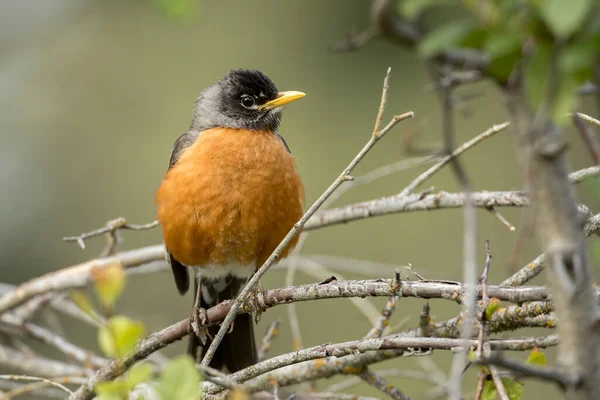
(238, 349)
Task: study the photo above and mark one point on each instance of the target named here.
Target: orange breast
(231, 198)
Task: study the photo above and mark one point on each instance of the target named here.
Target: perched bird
(230, 195)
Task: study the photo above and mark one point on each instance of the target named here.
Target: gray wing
(180, 271)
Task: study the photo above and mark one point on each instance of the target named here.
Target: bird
(230, 195)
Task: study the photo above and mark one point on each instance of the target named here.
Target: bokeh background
(94, 93)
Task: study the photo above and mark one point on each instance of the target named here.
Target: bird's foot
(255, 302)
(198, 324)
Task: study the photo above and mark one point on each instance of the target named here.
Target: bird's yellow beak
(282, 99)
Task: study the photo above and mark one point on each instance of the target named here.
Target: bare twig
(587, 118)
(393, 372)
(84, 357)
(589, 138)
(76, 276)
(36, 365)
(384, 318)
(501, 218)
(457, 152)
(531, 371)
(483, 346)
(385, 343)
(110, 228)
(35, 379)
(535, 267)
(335, 289)
(271, 334)
(294, 231)
(380, 383)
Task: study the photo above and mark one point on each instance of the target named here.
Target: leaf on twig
(537, 357)
(179, 380)
(489, 391)
(109, 282)
(494, 306)
(514, 389)
(112, 390)
(139, 373)
(565, 17)
(119, 336)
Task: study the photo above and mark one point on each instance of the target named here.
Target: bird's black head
(244, 99)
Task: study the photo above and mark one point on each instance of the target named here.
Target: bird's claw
(255, 301)
(198, 324)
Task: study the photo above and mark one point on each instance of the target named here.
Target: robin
(230, 195)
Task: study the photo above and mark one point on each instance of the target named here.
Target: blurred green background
(94, 93)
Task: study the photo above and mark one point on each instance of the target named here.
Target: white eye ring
(247, 101)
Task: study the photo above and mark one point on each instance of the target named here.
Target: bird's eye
(247, 101)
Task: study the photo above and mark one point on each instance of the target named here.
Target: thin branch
(35, 379)
(587, 118)
(296, 229)
(484, 346)
(110, 227)
(72, 351)
(378, 381)
(267, 340)
(409, 345)
(393, 372)
(501, 218)
(335, 289)
(384, 319)
(76, 276)
(447, 159)
(535, 267)
(589, 138)
(531, 371)
(36, 365)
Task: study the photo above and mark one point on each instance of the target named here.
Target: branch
(110, 228)
(35, 379)
(531, 371)
(447, 159)
(270, 298)
(410, 346)
(271, 334)
(380, 383)
(77, 275)
(36, 365)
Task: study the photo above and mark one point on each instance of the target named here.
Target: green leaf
(514, 389)
(109, 282)
(140, 373)
(84, 303)
(565, 17)
(537, 357)
(179, 380)
(112, 390)
(119, 336)
(446, 36)
(489, 391)
(505, 43)
(492, 307)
